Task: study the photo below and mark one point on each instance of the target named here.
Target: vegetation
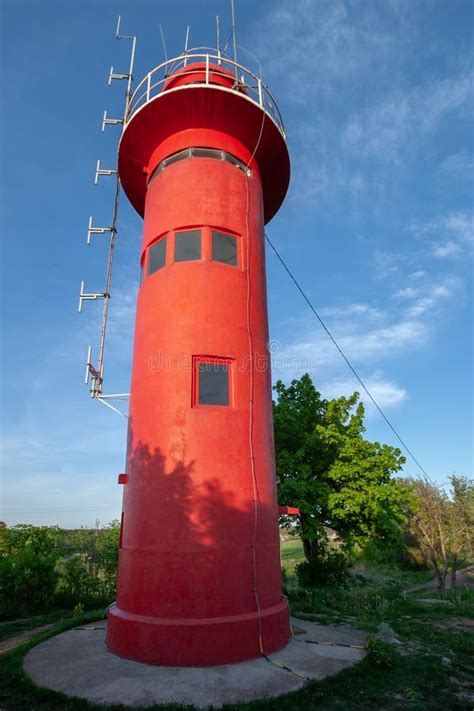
(336, 477)
(368, 546)
(428, 667)
(43, 568)
(443, 525)
(327, 567)
(339, 480)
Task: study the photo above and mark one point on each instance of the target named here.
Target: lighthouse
(203, 159)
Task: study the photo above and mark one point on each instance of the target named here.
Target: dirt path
(462, 581)
(12, 642)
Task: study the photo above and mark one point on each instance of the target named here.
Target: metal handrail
(247, 84)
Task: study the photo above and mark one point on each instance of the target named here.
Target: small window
(157, 256)
(198, 152)
(224, 248)
(213, 383)
(182, 155)
(235, 161)
(187, 245)
(206, 153)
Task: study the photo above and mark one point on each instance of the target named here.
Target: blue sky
(377, 98)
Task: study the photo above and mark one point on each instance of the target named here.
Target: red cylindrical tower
(203, 158)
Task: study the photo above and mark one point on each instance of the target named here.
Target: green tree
(108, 551)
(328, 469)
(461, 522)
(28, 575)
(443, 524)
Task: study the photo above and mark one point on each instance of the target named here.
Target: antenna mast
(163, 43)
(95, 374)
(218, 38)
(234, 34)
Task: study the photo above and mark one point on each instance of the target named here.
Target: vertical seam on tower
(250, 340)
(252, 453)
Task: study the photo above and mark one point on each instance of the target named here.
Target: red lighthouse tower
(203, 159)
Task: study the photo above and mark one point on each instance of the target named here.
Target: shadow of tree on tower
(188, 541)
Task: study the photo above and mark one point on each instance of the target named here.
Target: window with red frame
(212, 381)
(224, 248)
(157, 256)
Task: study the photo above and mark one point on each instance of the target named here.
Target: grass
(430, 669)
(11, 628)
(291, 554)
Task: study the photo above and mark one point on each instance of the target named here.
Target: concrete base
(78, 663)
(196, 643)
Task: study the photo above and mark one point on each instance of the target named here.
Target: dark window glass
(197, 152)
(206, 153)
(157, 256)
(187, 245)
(224, 248)
(142, 272)
(182, 155)
(213, 383)
(235, 161)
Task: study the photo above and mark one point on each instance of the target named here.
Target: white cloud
(427, 297)
(450, 234)
(459, 164)
(369, 336)
(408, 293)
(448, 249)
(362, 343)
(445, 96)
(313, 53)
(349, 311)
(417, 275)
(312, 45)
(341, 69)
(459, 224)
(385, 393)
(385, 264)
(395, 123)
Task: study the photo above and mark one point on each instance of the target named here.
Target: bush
(28, 575)
(78, 583)
(381, 654)
(43, 567)
(370, 606)
(327, 567)
(400, 553)
(108, 551)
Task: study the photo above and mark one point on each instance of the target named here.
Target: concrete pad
(77, 663)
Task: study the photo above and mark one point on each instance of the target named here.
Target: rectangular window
(206, 153)
(187, 245)
(212, 382)
(224, 248)
(157, 256)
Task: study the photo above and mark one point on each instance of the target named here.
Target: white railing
(246, 83)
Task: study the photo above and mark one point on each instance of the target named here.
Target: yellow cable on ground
(336, 644)
(281, 666)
